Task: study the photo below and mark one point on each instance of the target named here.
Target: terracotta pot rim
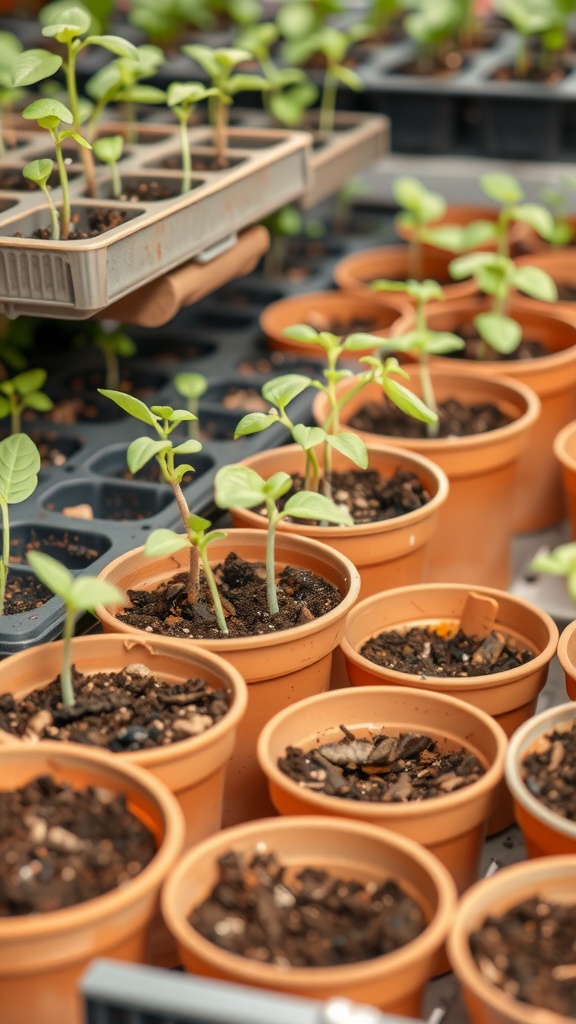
(58, 921)
(513, 882)
(560, 443)
(365, 529)
(562, 650)
(520, 742)
(326, 297)
(198, 658)
(387, 812)
(257, 973)
(454, 685)
(346, 568)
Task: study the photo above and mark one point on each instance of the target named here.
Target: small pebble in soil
(263, 910)
(428, 651)
(549, 770)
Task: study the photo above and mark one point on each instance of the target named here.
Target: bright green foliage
(544, 22)
(243, 487)
(23, 392)
(435, 25)
(39, 172)
(19, 468)
(182, 97)
(377, 17)
(79, 594)
(114, 345)
(333, 44)
(10, 50)
(120, 80)
(191, 386)
(419, 207)
(290, 91)
(165, 22)
(108, 149)
(561, 561)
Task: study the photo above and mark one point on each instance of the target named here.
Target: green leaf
(359, 342)
(38, 401)
(198, 523)
(301, 332)
(247, 83)
(51, 573)
(536, 283)
(190, 385)
(277, 485)
(4, 407)
(283, 389)
(408, 402)
(142, 449)
(47, 108)
(238, 486)
(133, 406)
(500, 332)
(204, 56)
(147, 94)
(164, 542)
(114, 44)
(109, 148)
(538, 217)
(77, 138)
(441, 343)
(467, 266)
(33, 66)
(29, 381)
(558, 562)
(181, 470)
(179, 93)
(88, 591)
(253, 423)
(189, 447)
(38, 170)
(347, 76)
(350, 445)
(72, 22)
(310, 505)
(19, 468)
(503, 188)
(308, 437)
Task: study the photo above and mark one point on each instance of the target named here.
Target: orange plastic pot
(42, 956)
(564, 448)
(545, 832)
(509, 697)
(567, 658)
(279, 668)
(473, 541)
(393, 982)
(453, 826)
(354, 273)
(551, 878)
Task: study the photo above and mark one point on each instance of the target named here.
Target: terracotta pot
(323, 310)
(42, 956)
(349, 849)
(567, 657)
(509, 697)
(453, 826)
(388, 553)
(519, 234)
(559, 262)
(355, 272)
(545, 832)
(279, 667)
(474, 537)
(564, 448)
(553, 878)
(539, 498)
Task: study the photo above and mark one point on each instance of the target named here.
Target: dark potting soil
(60, 846)
(528, 952)
(566, 292)
(150, 191)
(380, 768)
(544, 75)
(302, 597)
(455, 419)
(529, 348)
(323, 322)
(23, 594)
(141, 385)
(369, 497)
(264, 911)
(549, 771)
(441, 651)
(99, 221)
(433, 66)
(127, 710)
(244, 398)
(69, 544)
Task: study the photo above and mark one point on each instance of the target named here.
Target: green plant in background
(120, 81)
(242, 487)
(10, 50)
(191, 386)
(16, 340)
(496, 276)
(561, 561)
(182, 97)
(298, 19)
(419, 208)
(48, 114)
(333, 45)
(164, 22)
(554, 198)
(542, 28)
(108, 149)
(284, 224)
(114, 345)
(79, 594)
(19, 468)
(39, 171)
(290, 91)
(377, 17)
(24, 391)
(421, 341)
(435, 26)
(218, 66)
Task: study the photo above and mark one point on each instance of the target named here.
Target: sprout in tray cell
(19, 468)
(23, 392)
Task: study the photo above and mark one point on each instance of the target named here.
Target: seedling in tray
(182, 97)
(10, 49)
(333, 44)
(79, 594)
(435, 28)
(108, 149)
(291, 92)
(19, 468)
(542, 33)
(191, 386)
(24, 391)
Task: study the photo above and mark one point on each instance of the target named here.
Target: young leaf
(33, 66)
(164, 542)
(114, 44)
(536, 283)
(253, 423)
(501, 187)
(38, 171)
(133, 406)
(19, 468)
(190, 385)
(538, 217)
(308, 437)
(408, 402)
(442, 343)
(310, 505)
(88, 591)
(238, 486)
(109, 148)
(47, 108)
(350, 445)
(281, 390)
(501, 332)
(301, 332)
(51, 573)
(141, 450)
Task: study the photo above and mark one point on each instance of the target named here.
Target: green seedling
(284, 224)
(555, 200)
(19, 468)
(378, 16)
(16, 340)
(108, 149)
(298, 19)
(79, 594)
(243, 487)
(48, 114)
(333, 44)
(10, 50)
(182, 98)
(23, 392)
(561, 561)
(119, 81)
(541, 26)
(219, 65)
(39, 172)
(419, 207)
(435, 27)
(114, 345)
(290, 91)
(422, 342)
(191, 386)
(165, 22)
(497, 276)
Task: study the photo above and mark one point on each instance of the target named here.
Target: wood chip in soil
(24, 594)
(381, 768)
(370, 497)
(302, 597)
(427, 651)
(528, 952)
(549, 770)
(126, 710)
(264, 911)
(61, 846)
(455, 419)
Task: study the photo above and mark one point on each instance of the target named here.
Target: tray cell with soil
(120, 502)
(76, 549)
(112, 463)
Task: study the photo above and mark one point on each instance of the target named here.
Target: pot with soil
(339, 313)
(474, 537)
(281, 665)
(560, 263)
(355, 272)
(540, 776)
(330, 958)
(519, 234)
(478, 644)
(564, 449)
(546, 362)
(425, 766)
(512, 944)
(91, 842)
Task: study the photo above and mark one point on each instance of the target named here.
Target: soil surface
(24, 593)
(322, 322)
(127, 710)
(549, 771)
(147, 191)
(302, 597)
(546, 76)
(380, 768)
(528, 348)
(439, 651)
(64, 544)
(566, 292)
(99, 221)
(303, 918)
(369, 497)
(247, 398)
(455, 419)
(139, 384)
(433, 66)
(529, 953)
(60, 846)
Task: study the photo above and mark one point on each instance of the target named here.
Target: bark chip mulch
(432, 651)
(549, 770)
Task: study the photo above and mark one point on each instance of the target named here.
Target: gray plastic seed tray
(74, 280)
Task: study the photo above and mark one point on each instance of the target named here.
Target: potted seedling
(419, 208)
(541, 36)
(24, 391)
(19, 468)
(435, 30)
(559, 561)
(181, 98)
(191, 386)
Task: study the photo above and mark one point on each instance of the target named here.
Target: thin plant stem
(112, 369)
(116, 180)
(271, 594)
(65, 213)
(221, 138)
(72, 89)
(5, 554)
(53, 213)
(185, 147)
(218, 611)
(328, 103)
(66, 672)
